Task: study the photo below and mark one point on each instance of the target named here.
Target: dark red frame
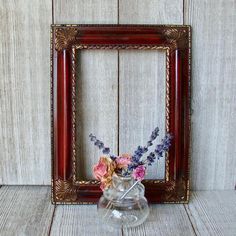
(65, 39)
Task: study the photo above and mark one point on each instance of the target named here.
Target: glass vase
(129, 211)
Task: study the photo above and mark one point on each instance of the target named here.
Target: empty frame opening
(120, 97)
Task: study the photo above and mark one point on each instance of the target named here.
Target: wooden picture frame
(65, 40)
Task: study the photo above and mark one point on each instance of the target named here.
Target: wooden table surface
(27, 210)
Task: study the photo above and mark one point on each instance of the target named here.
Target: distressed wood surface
(213, 212)
(150, 12)
(96, 106)
(25, 92)
(142, 79)
(165, 220)
(142, 101)
(24, 84)
(25, 210)
(79, 220)
(97, 83)
(85, 11)
(213, 93)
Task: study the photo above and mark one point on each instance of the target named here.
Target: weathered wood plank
(142, 79)
(96, 106)
(25, 210)
(164, 220)
(79, 220)
(213, 212)
(213, 93)
(25, 91)
(150, 12)
(97, 94)
(85, 11)
(142, 101)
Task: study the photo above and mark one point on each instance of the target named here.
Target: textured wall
(25, 81)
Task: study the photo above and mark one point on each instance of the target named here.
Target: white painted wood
(97, 106)
(25, 92)
(213, 93)
(85, 11)
(97, 76)
(142, 101)
(79, 220)
(24, 83)
(213, 212)
(25, 211)
(142, 79)
(165, 220)
(150, 12)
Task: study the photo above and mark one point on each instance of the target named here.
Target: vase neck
(122, 183)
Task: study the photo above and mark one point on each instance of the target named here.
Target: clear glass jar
(130, 211)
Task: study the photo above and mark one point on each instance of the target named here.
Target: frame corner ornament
(176, 37)
(64, 37)
(64, 191)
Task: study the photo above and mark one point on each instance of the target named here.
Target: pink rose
(103, 171)
(123, 161)
(139, 173)
(99, 170)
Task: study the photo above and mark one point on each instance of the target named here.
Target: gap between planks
(190, 220)
(52, 218)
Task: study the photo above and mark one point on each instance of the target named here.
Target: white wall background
(25, 80)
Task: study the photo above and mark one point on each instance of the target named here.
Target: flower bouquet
(123, 202)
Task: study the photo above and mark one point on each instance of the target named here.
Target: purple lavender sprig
(160, 149)
(100, 145)
(139, 152)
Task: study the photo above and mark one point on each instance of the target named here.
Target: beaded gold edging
(167, 110)
(73, 81)
(189, 97)
(51, 107)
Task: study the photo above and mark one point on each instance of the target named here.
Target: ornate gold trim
(73, 81)
(176, 38)
(65, 190)
(64, 36)
(167, 110)
(171, 186)
(189, 117)
(120, 47)
(51, 114)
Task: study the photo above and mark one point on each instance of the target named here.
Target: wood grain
(213, 93)
(213, 212)
(142, 79)
(85, 11)
(142, 101)
(25, 211)
(24, 84)
(96, 106)
(150, 12)
(79, 220)
(28, 211)
(97, 82)
(164, 220)
(25, 92)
